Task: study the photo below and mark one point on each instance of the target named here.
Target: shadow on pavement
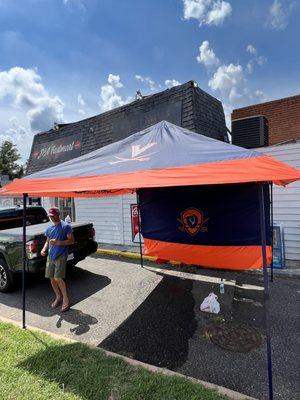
(39, 295)
(79, 318)
(159, 330)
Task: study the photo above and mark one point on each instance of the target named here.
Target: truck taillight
(92, 232)
(32, 248)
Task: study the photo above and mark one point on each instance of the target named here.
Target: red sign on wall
(134, 223)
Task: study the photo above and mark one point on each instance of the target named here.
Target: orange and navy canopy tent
(162, 155)
(198, 196)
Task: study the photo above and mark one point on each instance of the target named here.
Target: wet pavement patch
(159, 330)
(234, 336)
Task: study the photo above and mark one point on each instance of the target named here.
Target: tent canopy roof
(159, 156)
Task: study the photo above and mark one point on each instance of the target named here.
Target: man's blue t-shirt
(58, 232)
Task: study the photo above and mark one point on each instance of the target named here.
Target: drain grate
(234, 336)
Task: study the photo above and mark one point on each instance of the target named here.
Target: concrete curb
(130, 255)
(231, 394)
(286, 273)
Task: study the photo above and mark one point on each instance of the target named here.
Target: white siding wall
(110, 216)
(106, 213)
(6, 201)
(287, 200)
(47, 202)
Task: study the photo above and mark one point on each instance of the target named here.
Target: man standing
(59, 237)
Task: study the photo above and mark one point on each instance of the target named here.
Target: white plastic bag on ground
(210, 304)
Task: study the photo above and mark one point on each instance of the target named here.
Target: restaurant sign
(58, 150)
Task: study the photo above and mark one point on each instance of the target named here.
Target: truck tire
(6, 277)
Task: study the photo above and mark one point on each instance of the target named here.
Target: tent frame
(261, 187)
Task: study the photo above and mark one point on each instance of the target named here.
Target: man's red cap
(53, 211)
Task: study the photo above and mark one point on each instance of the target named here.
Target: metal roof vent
(250, 132)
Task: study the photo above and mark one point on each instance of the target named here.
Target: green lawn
(36, 366)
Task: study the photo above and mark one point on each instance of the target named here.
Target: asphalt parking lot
(153, 315)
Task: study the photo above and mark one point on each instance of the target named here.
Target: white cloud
(81, 103)
(207, 56)
(79, 4)
(227, 80)
(20, 136)
(278, 17)
(80, 100)
(251, 49)
(255, 60)
(261, 60)
(171, 83)
(250, 67)
(23, 88)
(220, 10)
(207, 12)
(146, 80)
(260, 95)
(109, 98)
(114, 80)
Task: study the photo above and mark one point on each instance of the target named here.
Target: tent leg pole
(24, 262)
(272, 222)
(140, 236)
(266, 287)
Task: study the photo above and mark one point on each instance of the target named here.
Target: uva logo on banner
(136, 154)
(192, 221)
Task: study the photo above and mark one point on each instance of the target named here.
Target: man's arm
(67, 242)
(45, 248)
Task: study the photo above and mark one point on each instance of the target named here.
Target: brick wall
(283, 117)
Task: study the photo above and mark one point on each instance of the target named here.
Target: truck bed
(38, 229)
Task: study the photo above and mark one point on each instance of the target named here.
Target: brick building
(283, 118)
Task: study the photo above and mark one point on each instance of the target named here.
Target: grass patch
(36, 366)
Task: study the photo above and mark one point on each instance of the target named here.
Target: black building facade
(184, 105)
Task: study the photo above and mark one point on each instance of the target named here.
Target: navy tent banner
(213, 226)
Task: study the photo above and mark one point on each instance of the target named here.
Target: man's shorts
(56, 268)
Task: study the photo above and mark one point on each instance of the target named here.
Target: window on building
(66, 207)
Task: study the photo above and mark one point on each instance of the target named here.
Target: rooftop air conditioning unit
(250, 132)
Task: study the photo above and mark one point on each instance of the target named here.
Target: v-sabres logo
(137, 154)
(192, 221)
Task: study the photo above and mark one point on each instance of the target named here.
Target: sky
(66, 60)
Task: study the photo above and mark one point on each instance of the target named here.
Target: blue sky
(65, 60)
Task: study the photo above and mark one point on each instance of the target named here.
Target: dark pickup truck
(11, 244)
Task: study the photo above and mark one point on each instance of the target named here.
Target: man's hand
(54, 242)
(43, 252)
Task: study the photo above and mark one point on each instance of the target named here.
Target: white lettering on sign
(56, 149)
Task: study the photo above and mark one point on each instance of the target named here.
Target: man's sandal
(65, 308)
(56, 303)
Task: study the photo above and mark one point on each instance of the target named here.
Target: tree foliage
(9, 155)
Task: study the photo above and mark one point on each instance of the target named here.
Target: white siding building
(286, 200)
(110, 215)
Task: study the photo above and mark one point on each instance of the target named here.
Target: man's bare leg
(63, 289)
(58, 294)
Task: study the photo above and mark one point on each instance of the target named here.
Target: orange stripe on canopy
(257, 169)
(229, 257)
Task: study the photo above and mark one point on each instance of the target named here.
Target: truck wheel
(6, 280)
